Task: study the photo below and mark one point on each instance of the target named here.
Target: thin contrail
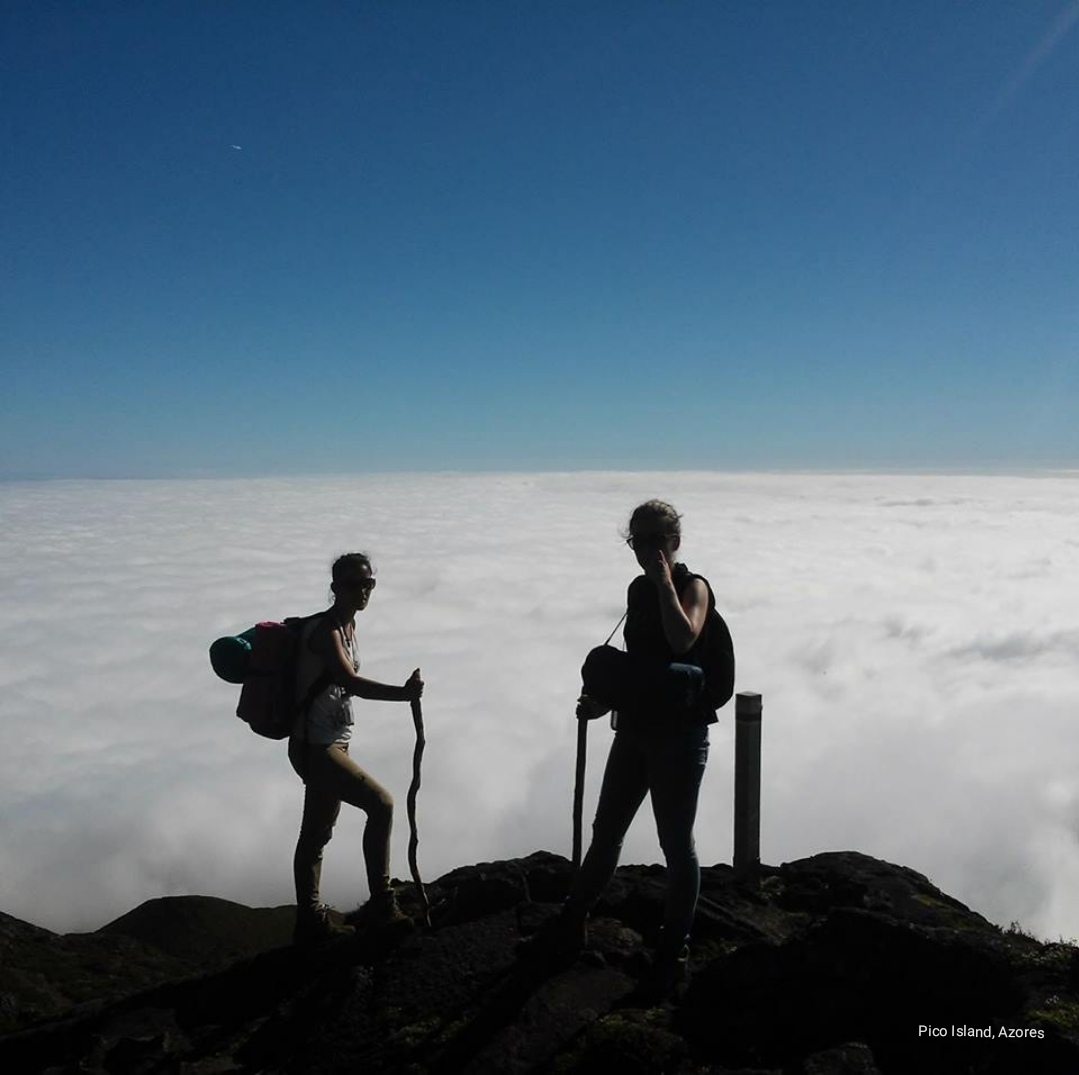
(1063, 25)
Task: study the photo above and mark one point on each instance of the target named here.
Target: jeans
(667, 764)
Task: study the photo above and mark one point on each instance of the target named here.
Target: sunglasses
(361, 584)
(648, 541)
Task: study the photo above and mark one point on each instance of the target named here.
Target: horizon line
(967, 470)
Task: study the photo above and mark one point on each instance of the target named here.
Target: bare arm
(328, 642)
(683, 620)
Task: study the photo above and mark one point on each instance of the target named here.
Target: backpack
(715, 650)
(264, 659)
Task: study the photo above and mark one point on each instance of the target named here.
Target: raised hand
(412, 690)
(656, 567)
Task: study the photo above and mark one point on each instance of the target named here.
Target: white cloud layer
(915, 639)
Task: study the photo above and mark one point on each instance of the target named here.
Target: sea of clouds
(915, 640)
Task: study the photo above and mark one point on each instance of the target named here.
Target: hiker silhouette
(319, 752)
(660, 746)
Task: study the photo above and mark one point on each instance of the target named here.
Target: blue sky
(537, 236)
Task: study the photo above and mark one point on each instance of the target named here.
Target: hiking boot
(665, 980)
(560, 939)
(379, 912)
(318, 927)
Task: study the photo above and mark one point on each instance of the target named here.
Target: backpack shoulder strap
(323, 679)
(616, 626)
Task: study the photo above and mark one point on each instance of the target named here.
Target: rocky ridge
(834, 963)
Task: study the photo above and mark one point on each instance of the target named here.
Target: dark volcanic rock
(204, 931)
(837, 963)
(43, 974)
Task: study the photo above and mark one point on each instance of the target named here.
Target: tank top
(645, 638)
(329, 717)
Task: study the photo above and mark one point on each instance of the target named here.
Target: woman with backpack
(660, 745)
(327, 679)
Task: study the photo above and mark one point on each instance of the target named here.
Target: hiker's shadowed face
(355, 588)
(650, 544)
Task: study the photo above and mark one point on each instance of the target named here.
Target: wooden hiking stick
(582, 752)
(413, 836)
(578, 789)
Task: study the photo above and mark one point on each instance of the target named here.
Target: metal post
(747, 786)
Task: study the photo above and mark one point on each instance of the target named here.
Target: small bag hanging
(623, 683)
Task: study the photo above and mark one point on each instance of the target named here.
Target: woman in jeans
(660, 746)
(319, 752)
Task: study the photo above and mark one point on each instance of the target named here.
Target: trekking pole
(578, 789)
(582, 755)
(414, 787)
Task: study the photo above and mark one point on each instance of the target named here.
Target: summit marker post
(747, 786)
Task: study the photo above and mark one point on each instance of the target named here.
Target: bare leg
(345, 779)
